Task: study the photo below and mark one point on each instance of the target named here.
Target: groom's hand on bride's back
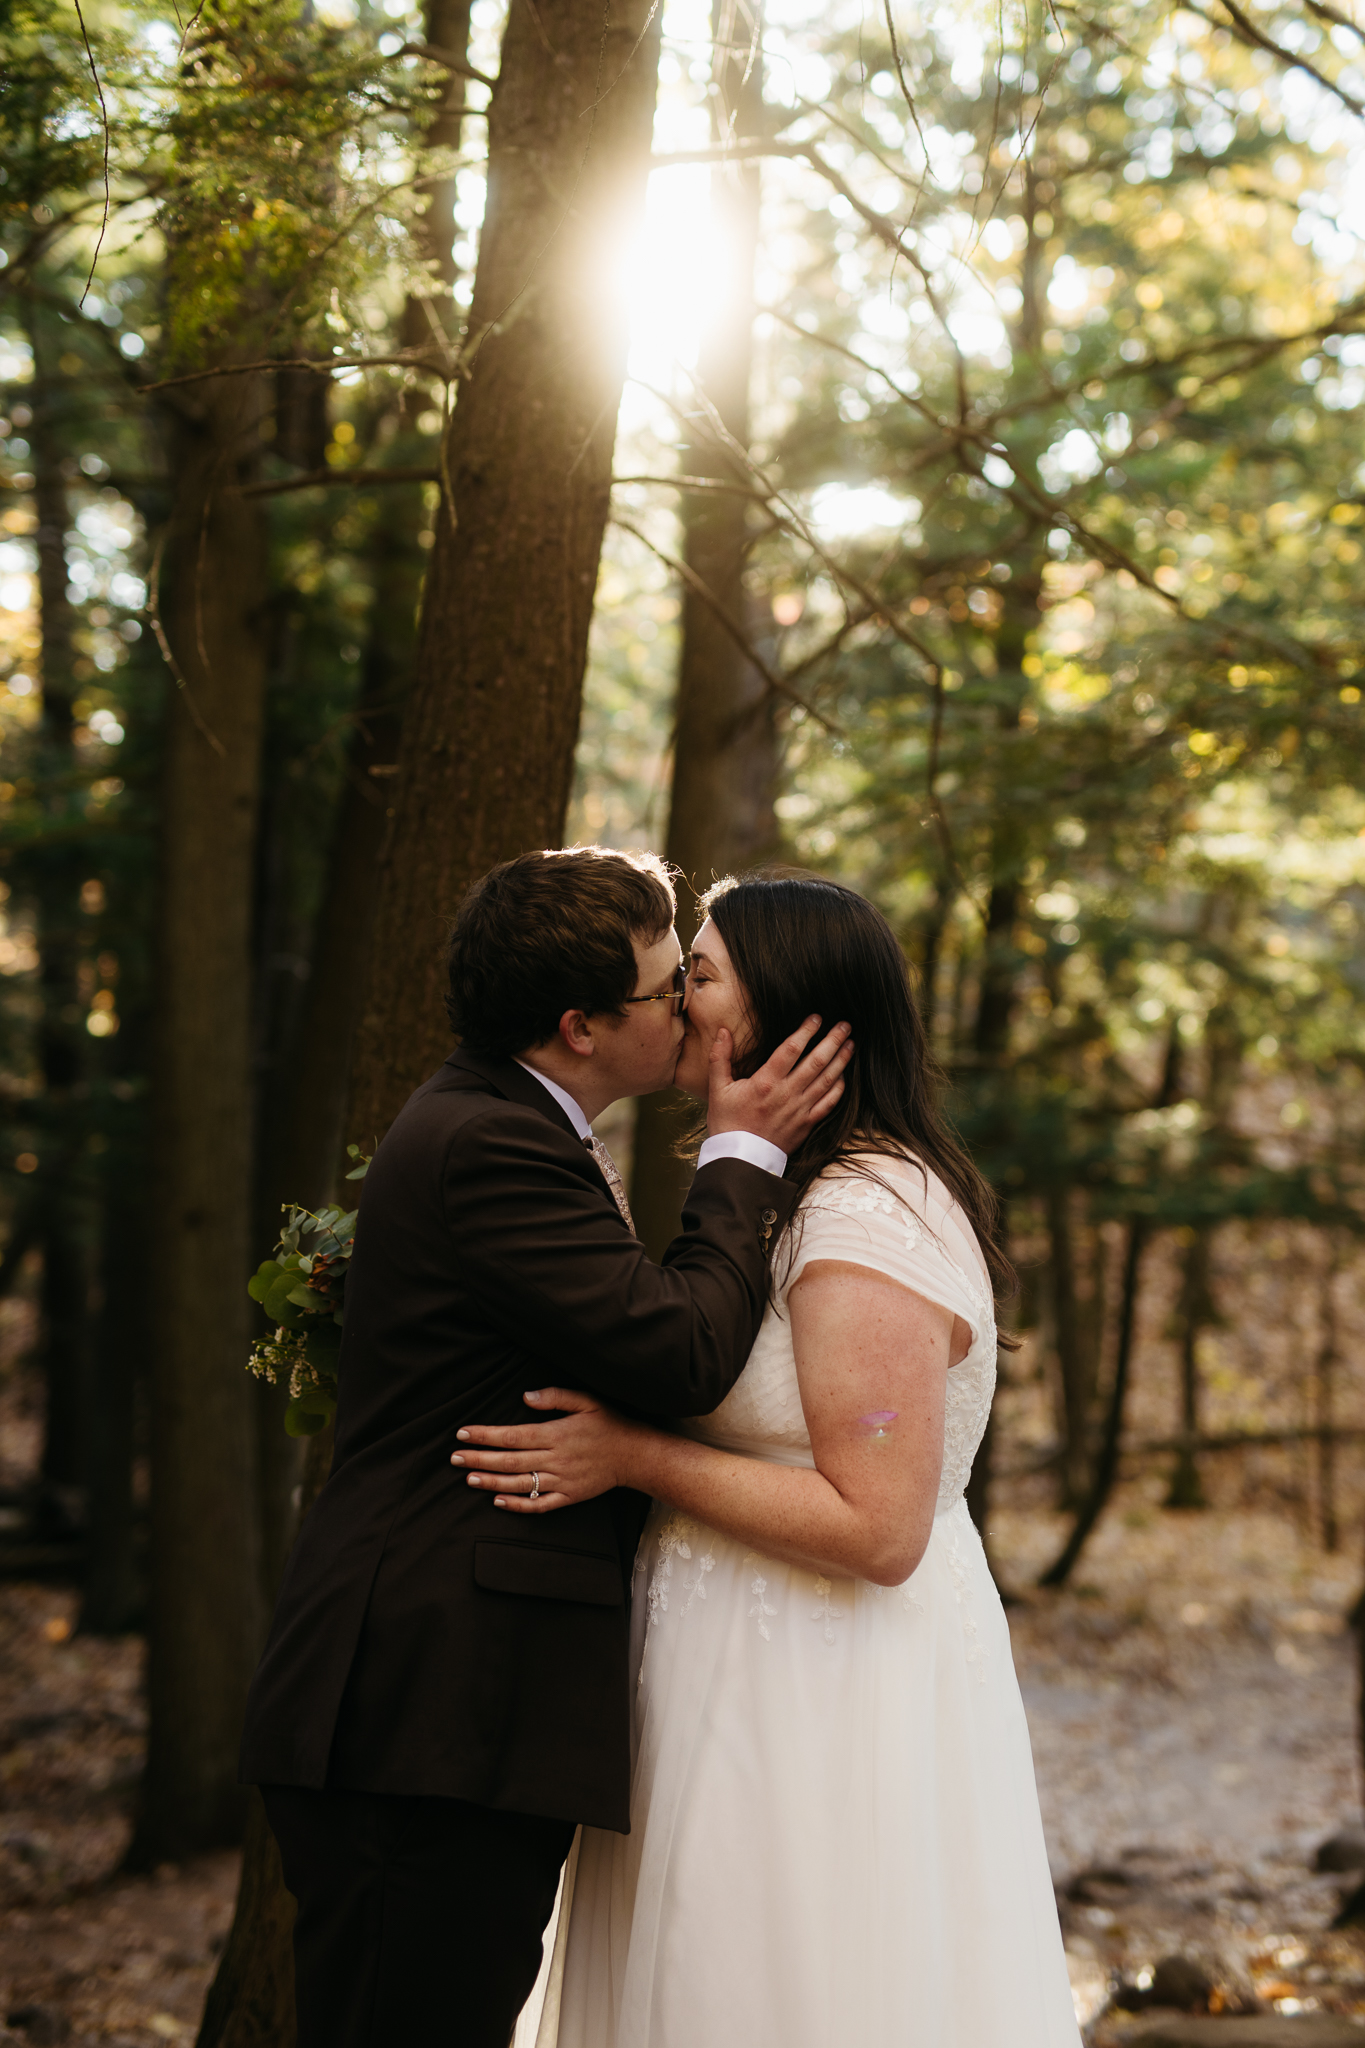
(789, 1095)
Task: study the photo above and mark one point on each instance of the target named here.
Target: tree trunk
(488, 742)
(1324, 1403)
(1075, 1355)
(56, 883)
(432, 315)
(1107, 1463)
(205, 1591)
(725, 755)
(302, 1139)
(114, 1595)
(251, 1998)
(1194, 1312)
(1111, 1443)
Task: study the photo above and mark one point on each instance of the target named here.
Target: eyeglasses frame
(677, 995)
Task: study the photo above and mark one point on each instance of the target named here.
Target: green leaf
(263, 1279)
(300, 1422)
(278, 1305)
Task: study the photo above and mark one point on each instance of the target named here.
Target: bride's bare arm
(872, 1359)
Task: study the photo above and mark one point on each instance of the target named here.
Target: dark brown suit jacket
(425, 1641)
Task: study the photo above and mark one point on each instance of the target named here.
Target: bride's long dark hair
(801, 945)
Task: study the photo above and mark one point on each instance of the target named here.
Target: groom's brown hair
(550, 932)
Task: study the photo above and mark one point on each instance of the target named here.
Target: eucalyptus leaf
(301, 1422)
(263, 1279)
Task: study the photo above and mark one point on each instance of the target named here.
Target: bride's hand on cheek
(579, 1455)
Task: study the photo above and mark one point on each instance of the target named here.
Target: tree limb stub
(449, 60)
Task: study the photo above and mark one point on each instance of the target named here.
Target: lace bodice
(907, 1226)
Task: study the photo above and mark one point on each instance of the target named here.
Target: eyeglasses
(674, 995)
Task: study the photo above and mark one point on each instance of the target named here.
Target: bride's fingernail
(455, 1458)
(530, 1397)
(462, 1436)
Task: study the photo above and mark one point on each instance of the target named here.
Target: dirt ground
(1192, 1701)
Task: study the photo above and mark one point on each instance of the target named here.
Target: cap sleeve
(903, 1224)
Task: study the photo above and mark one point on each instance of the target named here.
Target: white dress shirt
(728, 1145)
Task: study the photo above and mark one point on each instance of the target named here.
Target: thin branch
(104, 117)
(941, 825)
(321, 366)
(874, 604)
(776, 686)
(694, 483)
(449, 60)
(905, 88)
(1331, 14)
(1247, 32)
(873, 369)
(596, 103)
(328, 479)
(154, 615)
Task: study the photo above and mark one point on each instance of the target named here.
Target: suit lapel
(506, 1078)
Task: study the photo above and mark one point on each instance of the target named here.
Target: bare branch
(875, 605)
(1325, 13)
(104, 118)
(321, 366)
(776, 686)
(694, 483)
(154, 615)
(328, 479)
(1246, 31)
(449, 60)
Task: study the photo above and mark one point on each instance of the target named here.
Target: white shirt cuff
(743, 1145)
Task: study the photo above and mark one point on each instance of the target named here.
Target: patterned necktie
(612, 1177)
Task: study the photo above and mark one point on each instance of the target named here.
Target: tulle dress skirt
(835, 1829)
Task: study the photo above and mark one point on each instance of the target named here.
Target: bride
(835, 1836)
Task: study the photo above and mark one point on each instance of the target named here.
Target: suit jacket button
(768, 1216)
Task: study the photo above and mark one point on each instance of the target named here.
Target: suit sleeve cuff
(743, 1145)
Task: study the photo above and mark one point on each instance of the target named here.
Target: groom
(444, 1693)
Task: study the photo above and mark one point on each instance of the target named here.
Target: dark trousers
(420, 1920)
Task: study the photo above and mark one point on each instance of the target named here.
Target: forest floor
(1192, 1701)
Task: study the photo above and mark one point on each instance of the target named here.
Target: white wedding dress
(835, 1839)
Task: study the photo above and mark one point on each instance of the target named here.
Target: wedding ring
(535, 1486)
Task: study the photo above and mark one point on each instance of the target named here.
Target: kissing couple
(661, 1576)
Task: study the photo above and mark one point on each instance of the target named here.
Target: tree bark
(725, 755)
(205, 1591)
(1075, 1354)
(251, 1998)
(1324, 1399)
(1111, 1442)
(488, 743)
(1193, 1313)
(55, 870)
(114, 1596)
(1107, 1463)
